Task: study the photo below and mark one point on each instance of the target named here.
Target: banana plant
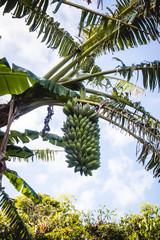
(132, 23)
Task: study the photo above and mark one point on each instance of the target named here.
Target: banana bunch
(81, 137)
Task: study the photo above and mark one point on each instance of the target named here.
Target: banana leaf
(21, 185)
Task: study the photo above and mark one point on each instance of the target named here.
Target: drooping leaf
(20, 152)
(21, 185)
(150, 73)
(128, 26)
(36, 17)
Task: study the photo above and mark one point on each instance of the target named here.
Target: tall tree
(132, 23)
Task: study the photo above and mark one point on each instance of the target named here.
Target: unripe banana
(81, 137)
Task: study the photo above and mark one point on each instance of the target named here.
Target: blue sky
(120, 183)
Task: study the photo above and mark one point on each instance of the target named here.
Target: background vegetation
(59, 219)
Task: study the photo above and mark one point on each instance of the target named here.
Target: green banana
(66, 110)
(74, 101)
(93, 116)
(78, 146)
(79, 117)
(77, 123)
(86, 108)
(88, 150)
(77, 169)
(92, 164)
(83, 120)
(89, 172)
(69, 105)
(81, 137)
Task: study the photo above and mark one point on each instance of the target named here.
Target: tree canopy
(58, 218)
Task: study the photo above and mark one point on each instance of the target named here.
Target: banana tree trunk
(11, 115)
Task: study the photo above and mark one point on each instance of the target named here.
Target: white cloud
(15, 165)
(86, 200)
(117, 138)
(41, 179)
(126, 184)
(23, 48)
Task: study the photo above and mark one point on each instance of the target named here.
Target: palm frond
(16, 223)
(36, 17)
(21, 185)
(136, 121)
(127, 27)
(142, 127)
(150, 72)
(22, 7)
(149, 156)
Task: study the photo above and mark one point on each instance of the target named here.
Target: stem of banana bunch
(62, 73)
(68, 58)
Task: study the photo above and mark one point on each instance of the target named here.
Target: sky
(120, 183)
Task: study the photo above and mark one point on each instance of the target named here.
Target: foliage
(142, 226)
(38, 20)
(17, 80)
(51, 219)
(15, 221)
(59, 219)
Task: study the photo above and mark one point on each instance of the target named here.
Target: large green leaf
(21, 185)
(15, 80)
